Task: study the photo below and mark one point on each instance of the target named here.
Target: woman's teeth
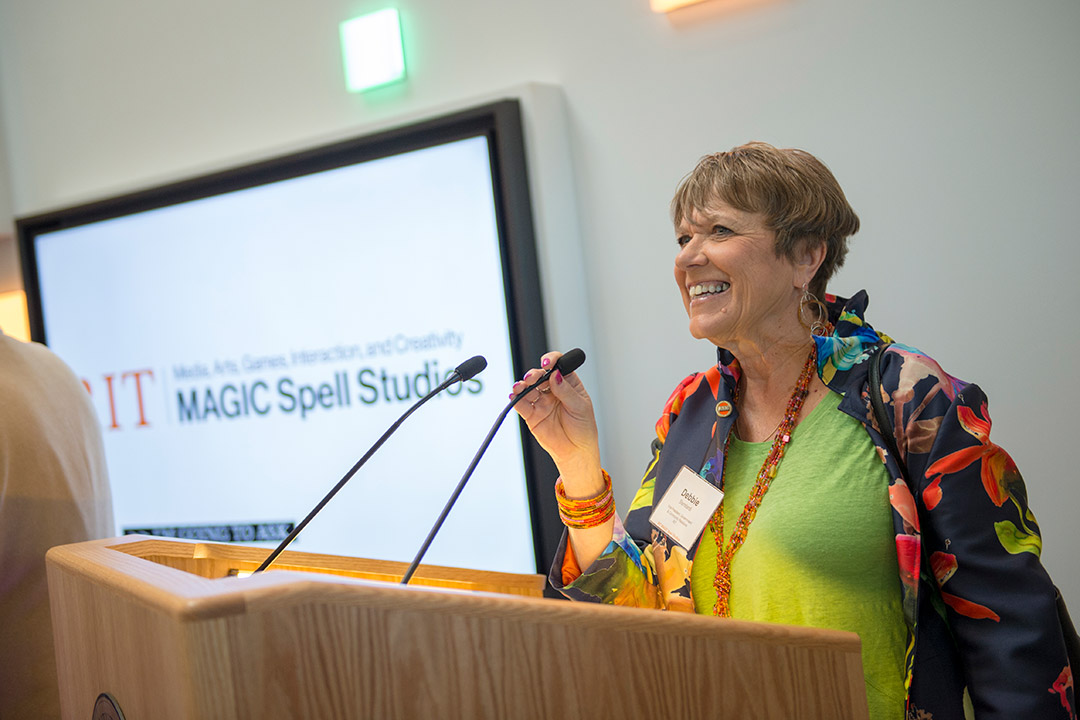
(708, 289)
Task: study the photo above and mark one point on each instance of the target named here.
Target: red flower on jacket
(975, 611)
(1062, 686)
(944, 566)
(997, 469)
(904, 504)
(907, 554)
(686, 388)
(931, 496)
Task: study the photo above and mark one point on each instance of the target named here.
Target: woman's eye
(721, 230)
(682, 240)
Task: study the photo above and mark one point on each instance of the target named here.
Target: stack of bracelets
(588, 513)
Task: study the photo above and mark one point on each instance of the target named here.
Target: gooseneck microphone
(463, 372)
(566, 364)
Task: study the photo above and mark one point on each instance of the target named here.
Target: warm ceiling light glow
(372, 51)
(663, 6)
(13, 319)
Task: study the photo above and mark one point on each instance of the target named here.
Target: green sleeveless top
(820, 552)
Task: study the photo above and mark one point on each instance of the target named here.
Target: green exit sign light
(372, 50)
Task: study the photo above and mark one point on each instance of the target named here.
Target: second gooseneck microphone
(566, 364)
(463, 372)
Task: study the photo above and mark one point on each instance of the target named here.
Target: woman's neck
(766, 382)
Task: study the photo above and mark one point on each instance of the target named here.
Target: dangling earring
(818, 324)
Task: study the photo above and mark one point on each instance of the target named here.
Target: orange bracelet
(589, 512)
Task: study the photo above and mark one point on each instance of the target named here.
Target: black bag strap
(1072, 640)
(884, 423)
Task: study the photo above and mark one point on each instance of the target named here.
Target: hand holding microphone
(562, 421)
(559, 414)
(557, 365)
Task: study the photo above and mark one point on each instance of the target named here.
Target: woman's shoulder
(908, 372)
(843, 356)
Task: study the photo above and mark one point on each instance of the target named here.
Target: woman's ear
(807, 261)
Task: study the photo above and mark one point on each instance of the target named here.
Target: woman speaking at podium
(930, 553)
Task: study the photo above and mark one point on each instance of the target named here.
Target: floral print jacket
(983, 633)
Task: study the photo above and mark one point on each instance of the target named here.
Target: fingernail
(545, 362)
(511, 396)
(558, 377)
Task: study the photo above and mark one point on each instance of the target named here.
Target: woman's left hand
(559, 414)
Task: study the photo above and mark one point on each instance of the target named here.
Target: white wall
(952, 126)
(10, 276)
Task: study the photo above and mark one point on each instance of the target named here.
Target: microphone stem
(341, 483)
(465, 479)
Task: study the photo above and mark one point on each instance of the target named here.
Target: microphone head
(570, 361)
(471, 367)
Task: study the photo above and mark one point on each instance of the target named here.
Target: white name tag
(686, 507)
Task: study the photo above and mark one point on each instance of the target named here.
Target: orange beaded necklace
(724, 555)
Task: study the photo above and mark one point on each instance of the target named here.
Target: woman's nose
(690, 253)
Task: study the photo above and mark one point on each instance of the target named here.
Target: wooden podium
(168, 630)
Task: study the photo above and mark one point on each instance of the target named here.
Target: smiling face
(735, 288)
(798, 196)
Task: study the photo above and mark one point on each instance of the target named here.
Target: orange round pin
(723, 408)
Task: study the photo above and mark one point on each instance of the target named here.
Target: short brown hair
(797, 194)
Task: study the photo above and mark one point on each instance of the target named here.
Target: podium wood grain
(156, 624)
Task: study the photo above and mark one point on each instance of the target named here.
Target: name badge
(686, 507)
